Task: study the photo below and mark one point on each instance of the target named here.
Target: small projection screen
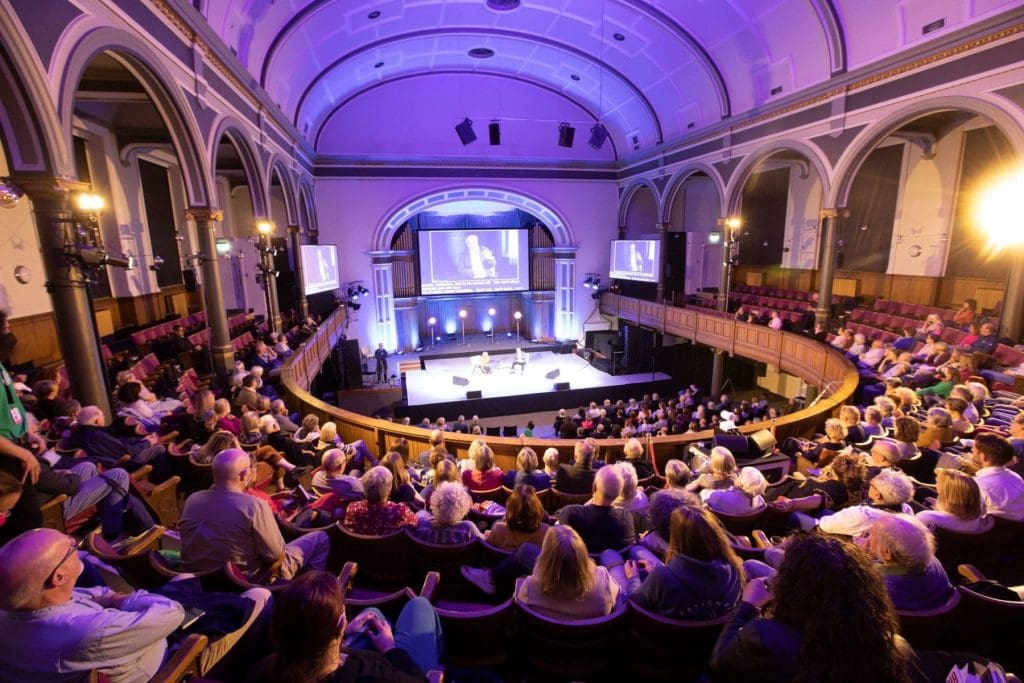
(319, 268)
(638, 260)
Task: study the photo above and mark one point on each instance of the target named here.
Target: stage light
(517, 315)
(490, 311)
(462, 314)
(264, 227)
(733, 222)
(714, 237)
(89, 202)
(494, 132)
(598, 134)
(431, 320)
(997, 209)
(465, 131)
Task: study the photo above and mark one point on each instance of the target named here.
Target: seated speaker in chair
(482, 363)
(521, 360)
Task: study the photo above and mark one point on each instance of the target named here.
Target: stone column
(662, 237)
(566, 325)
(68, 289)
(383, 309)
(296, 233)
(223, 355)
(1011, 320)
(717, 371)
(827, 265)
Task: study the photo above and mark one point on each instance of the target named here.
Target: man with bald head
(601, 526)
(56, 632)
(225, 524)
(884, 454)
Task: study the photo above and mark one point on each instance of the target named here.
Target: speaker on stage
(561, 386)
(736, 443)
(351, 364)
(459, 381)
(475, 394)
(553, 374)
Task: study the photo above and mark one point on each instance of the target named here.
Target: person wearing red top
(965, 316)
(377, 516)
(484, 476)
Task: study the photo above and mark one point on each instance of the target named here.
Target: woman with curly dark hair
(825, 616)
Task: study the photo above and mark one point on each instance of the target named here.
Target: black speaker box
(475, 394)
(561, 386)
(351, 365)
(736, 443)
(494, 132)
(188, 276)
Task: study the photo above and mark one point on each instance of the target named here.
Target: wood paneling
(812, 361)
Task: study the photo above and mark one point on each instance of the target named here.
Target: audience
(578, 477)
(484, 476)
(523, 522)
(527, 472)
(447, 523)
(375, 515)
(904, 552)
(600, 524)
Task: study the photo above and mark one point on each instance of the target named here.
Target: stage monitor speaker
(459, 381)
(351, 364)
(475, 394)
(736, 443)
(188, 276)
(561, 386)
(763, 440)
(553, 374)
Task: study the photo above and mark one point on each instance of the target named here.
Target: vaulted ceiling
(380, 78)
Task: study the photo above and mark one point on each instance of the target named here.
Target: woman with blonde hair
(218, 441)
(565, 583)
(527, 471)
(225, 420)
(327, 438)
(309, 430)
(746, 495)
(250, 435)
(484, 476)
(958, 504)
(717, 472)
(402, 490)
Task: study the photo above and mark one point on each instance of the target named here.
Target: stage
(555, 377)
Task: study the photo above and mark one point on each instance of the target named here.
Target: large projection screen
(319, 268)
(638, 260)
(474, 261)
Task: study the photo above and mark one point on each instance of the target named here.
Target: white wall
(19, 244)
(351, 210)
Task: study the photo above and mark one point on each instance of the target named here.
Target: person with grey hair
(225, 524)
(904, 551)
(551, 464)
(292, 451)
(889, 492)
(602, 525)
(331, 477)
(376, 515)
(631, 498)
(745, 496)
(578, 477)
(436, 440)
(284, 421)
(634, 452)
(677, 474)
(447, 523)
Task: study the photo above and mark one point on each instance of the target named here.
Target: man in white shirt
(1002, 490)
(874, 355)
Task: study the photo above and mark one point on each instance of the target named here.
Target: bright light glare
(462, 313)
(733, 222)
(998, 210)
(264, 227)
(90, 202)
(431, 320)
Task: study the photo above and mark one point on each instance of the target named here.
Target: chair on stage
(510, 430)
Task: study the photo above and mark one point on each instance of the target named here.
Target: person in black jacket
(824, 617)
(578, 477)
(601, 526)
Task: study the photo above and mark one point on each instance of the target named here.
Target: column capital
(838, 212)
(50, 188)
(203, 213)
(294, 229)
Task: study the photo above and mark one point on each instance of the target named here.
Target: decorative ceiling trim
(490, 33)
(835, 37)
(489, 72)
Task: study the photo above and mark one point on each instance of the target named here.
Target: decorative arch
(146, 67)
(307, 211)
(858, 151)
(734, 190)
(627, 198)
(385, 232)
(277, 166)
(231, 128)
(28, 122)
(675, 183)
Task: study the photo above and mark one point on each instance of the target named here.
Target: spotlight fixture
(592, 281)
(598, 134)
(157, 262)
(566, 134)
(223, 246)
(363, 291)
(465, 131)
(714, 237)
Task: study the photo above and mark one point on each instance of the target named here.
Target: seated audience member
(436, 442)
(945, 379)
(872, 424)
(966, 313)
(523, 522)
(659, 518)
(131, 404)
(677, 474)
(279, 441)
(873, 355)
(904, 551)
(314, 640)
(551, 465)
(958, 505)
(402, 490)
(798, 640)
(1002, 489)
(284, 421)
(565, 583)
(774, 321)
(884, 454)
(331, 477)
(376, 515)
(842, 483)
(859, 346)
(56, 632)
(90, 434)
(527, 472)
(444, 471)
(701, 578)
(632, 498)
(219, 441)
(932, 326)
(889, 492)
(249, 398)
(281, 347)
(938, 429)
(447, 523)
(601, 525)
(849, 416)
(745, 496)
(327, 437)
(224, 524)
(634, 452)
(906, 341)
(45, 392)
(251, 435)
(578, 477)
(485, 475)
(721, 471)
(225, 420)
(987, 339)
(309, 431)
(906, 431)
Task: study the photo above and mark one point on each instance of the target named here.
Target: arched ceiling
(649, 70)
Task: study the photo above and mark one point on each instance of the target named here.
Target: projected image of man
(477, 261)
(636, 259)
